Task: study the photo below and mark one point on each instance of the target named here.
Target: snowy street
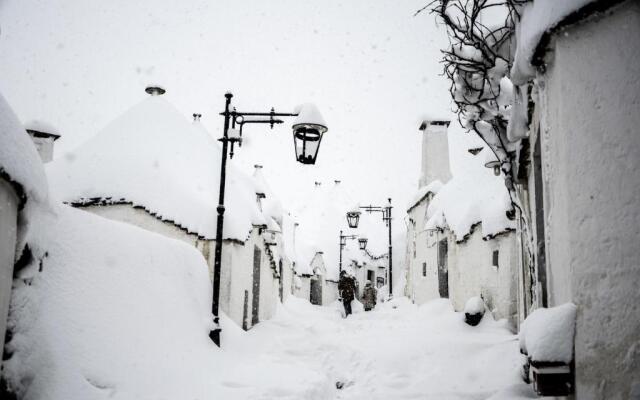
(407, 352)
(320, 200)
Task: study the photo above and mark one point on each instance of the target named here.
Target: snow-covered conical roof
(475, 196)
(153, 157)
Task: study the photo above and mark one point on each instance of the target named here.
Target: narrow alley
(397, 351)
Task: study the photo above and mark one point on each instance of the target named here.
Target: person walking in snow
(369, 296)
(347, 290)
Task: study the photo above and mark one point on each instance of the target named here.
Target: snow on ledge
(19, 159)
(538, 18)
(547, 334)
(22, 167)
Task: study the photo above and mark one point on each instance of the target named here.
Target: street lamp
(308, 119)
(343, 243)
(491, 161)
(308, 129)
(353, 219)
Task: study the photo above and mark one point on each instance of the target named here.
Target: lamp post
(308, 129)
(362, 242)
(353, 218)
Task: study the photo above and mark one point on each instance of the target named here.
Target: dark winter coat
(347, 287)
(369, 297)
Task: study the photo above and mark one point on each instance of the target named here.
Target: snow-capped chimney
(259, 182)
(196, 117)
(155, 90)
(435, 152)
(43, 138)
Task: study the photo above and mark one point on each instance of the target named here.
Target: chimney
(155, 90)
(43, 139)
(435, 152)
(260, 184)
(196, 117)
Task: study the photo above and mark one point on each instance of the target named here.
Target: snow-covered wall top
(22, 166)
(476, 196)
(93, 322)
(19, 159)
(153, 157)
(537, 17)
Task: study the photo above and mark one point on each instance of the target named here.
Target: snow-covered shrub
(474, 309)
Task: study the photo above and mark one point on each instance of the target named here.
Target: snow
(537, 17)
(471, 197)
(397, 351)
(20, 161)
(432, 187)
(308, 113)
(131, 324)
(96, 323)
(41, 126)
(153, 157)
(475, 305)
(271, 204)
(547, 334)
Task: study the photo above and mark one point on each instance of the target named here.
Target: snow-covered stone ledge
(547, 341)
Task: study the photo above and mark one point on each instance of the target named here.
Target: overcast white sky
(370, 66)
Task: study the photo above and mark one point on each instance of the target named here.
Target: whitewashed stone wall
(421, 249)
(590, 123)
(304, 292)
(472, 273)
(470, 266)
(8, 236)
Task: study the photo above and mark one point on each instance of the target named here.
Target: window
(414, 249)
(424, 269)
(496, 256)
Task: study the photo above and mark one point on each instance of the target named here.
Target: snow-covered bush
(474, 309)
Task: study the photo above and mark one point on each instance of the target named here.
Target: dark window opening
(496, 256)
(424, 269)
